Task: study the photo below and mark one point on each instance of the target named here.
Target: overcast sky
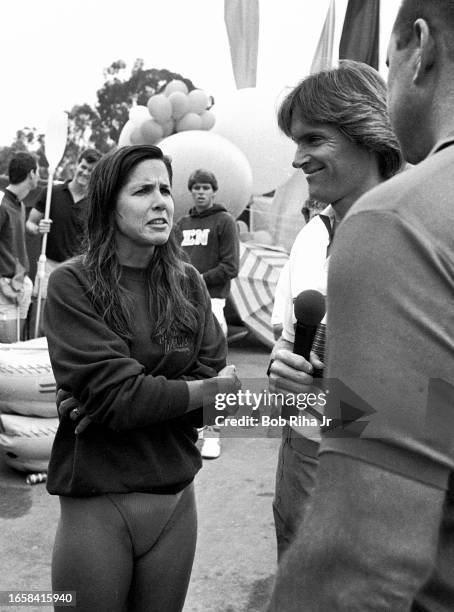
(54, 51)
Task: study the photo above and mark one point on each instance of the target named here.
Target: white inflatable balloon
(159, 108)
(247, 117)
(190, 121)
(198, 101)
(180, 104)
(136, 137)
(151, 131)
(124, 139)
(175, 85)
(200, 149)
(208, 120)
(138, 114)
(168, 127)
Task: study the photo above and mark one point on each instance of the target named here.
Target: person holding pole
(66, 216)
(15, 285)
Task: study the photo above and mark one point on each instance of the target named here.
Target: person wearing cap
(209, 238)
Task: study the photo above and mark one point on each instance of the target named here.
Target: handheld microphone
(309, 309)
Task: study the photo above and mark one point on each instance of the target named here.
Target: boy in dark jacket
(210, 239)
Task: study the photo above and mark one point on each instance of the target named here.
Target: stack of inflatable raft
(28, 414)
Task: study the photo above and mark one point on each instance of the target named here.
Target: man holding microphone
(345, 147)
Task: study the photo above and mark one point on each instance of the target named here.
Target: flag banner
(323, 57)
(242, 22)
(360, 34)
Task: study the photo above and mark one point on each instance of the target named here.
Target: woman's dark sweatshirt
(134, 392)
(210, 240)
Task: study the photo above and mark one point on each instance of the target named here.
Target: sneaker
(211, 448)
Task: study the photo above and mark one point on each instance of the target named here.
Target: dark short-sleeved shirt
(68, 222)
(12, 235)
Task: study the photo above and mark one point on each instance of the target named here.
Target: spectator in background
(67, 215)
(210, 239)
(15, 285)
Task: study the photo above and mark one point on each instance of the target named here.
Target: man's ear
(425, 58)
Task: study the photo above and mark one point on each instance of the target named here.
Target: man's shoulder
(225, 214)
(56, 188)
(219, 214)
(5, 197)
(227, 219)
(9, 205)
(59, 188)
(416, 188)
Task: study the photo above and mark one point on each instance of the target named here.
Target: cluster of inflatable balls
(174, 110)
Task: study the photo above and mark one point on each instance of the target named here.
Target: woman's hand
(68, 405)
(228, 381)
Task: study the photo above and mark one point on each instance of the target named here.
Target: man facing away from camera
(379, 532)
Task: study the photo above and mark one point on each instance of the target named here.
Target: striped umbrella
(253, 290)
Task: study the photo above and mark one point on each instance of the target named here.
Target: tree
(99, 127)
(119, 93)
(27, 139)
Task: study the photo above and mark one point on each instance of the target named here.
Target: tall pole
(55, 144)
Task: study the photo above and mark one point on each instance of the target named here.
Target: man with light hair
(345, 147)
